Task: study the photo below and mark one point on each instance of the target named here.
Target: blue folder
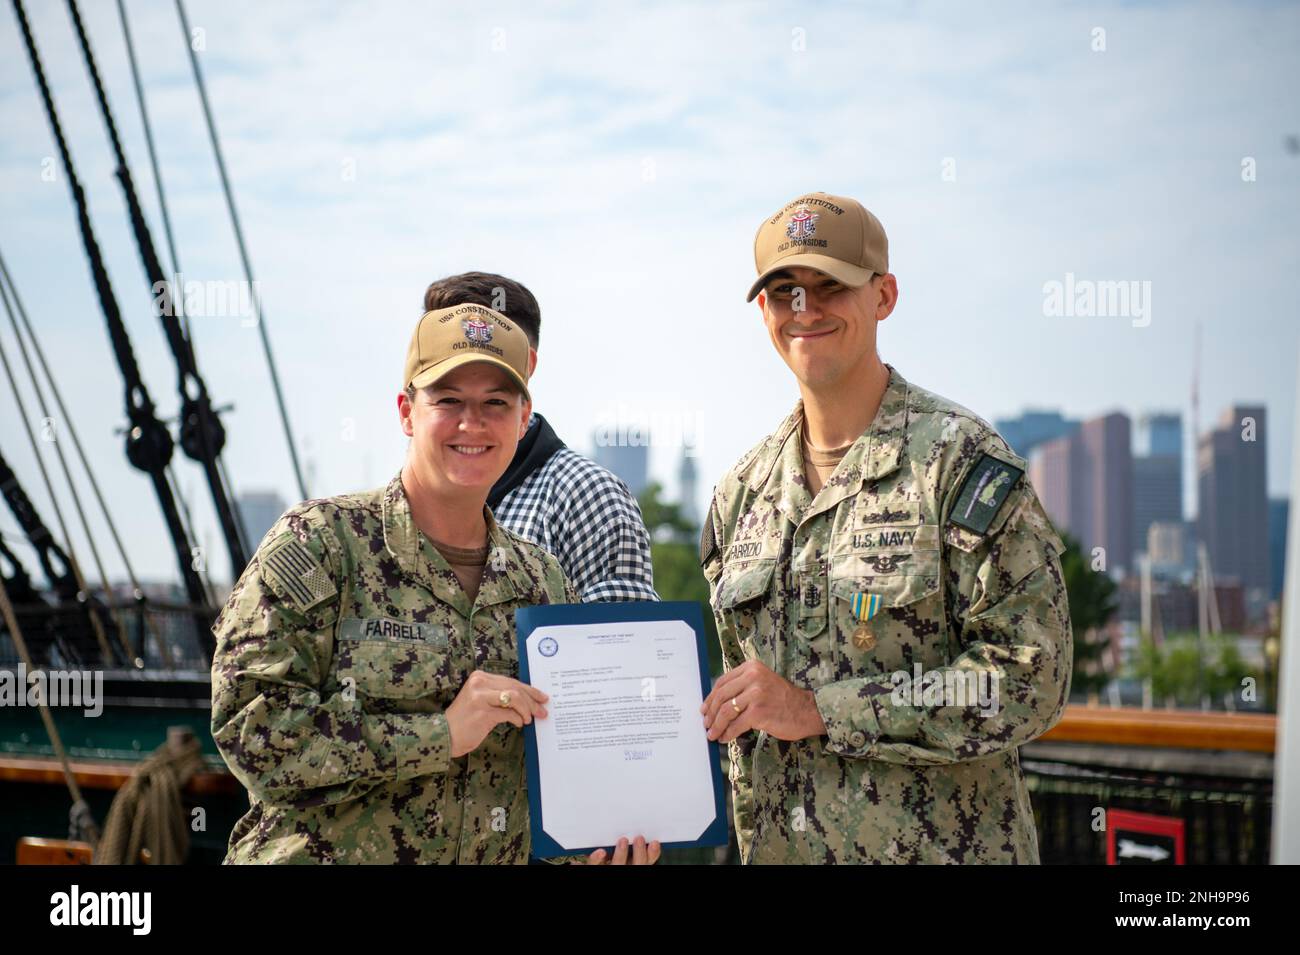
(529, 619)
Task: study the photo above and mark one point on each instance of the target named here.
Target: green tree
(675, 551)
(664, 519)
(1092, 603)
(1174, 674)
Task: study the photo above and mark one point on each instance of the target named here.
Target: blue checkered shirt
(588, 519)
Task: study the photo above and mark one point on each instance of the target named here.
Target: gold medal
(863, 638)
(864, 606)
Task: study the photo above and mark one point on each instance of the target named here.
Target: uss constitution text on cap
(448, 338)
(832, 234)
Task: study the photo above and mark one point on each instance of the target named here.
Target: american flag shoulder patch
(295, 574)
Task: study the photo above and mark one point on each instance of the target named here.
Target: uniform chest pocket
(887, 612)
(741, 594)
(493, 636)
(501, 666)
(392, 670)
(743, 582)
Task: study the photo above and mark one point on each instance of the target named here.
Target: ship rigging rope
(243, 250)
(137, 399)
(20, 579)
(149, 446)
(202, 435)
(73, 562)
(148, 821)
(81, 815)
(66, 419)
(54, 562)
(178, 297)
(153, 161)
(68, 478)
(183, 508)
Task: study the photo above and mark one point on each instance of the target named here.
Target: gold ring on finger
(734, 705)
(504, 699)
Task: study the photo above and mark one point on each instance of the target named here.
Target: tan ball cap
(448, 338)
(832, 234)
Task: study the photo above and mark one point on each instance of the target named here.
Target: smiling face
(464, 428)
(824, 330)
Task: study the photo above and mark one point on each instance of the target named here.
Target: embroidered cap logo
(802, 224)
(477, 330)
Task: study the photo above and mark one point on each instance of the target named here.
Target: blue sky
(617, 159)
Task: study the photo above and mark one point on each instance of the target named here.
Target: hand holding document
(623, 751)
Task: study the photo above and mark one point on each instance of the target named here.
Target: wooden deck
(103, 774)
(1117, 726)
(1177, 729)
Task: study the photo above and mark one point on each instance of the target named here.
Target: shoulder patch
(708, 541)
(292, 572)
(986, 488)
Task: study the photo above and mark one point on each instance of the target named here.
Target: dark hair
(490, 290)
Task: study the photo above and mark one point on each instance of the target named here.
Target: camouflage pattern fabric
(909, 770)
(339, 649)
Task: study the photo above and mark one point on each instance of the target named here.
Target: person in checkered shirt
(568, 504)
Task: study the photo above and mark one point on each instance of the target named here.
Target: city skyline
(992, 152)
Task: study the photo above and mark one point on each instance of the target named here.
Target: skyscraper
(686, 488)
(1232, 496)
(1056, 471)
(1032, 429)
(1108, 470)
(1085, 481)
(258, 510)
(1157, 474)
(1159, 434)
(1157, 493)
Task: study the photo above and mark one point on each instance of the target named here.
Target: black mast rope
(177, 300)
(75, 643)
(243, 250)
(148, 445)
(67, 476)
(187, 521)
(18, 581)
(153, 158)
(27, 598)
(202, 435)
(21, 590)
(136, 590)
(177, 303)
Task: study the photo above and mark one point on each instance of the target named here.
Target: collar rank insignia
(865, 606)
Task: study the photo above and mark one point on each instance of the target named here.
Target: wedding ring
(504, 699)
(734, 706)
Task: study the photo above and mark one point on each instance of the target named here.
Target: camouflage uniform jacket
(339, 649)
(928, 519)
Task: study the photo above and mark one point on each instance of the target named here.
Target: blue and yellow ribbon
(865, 606)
